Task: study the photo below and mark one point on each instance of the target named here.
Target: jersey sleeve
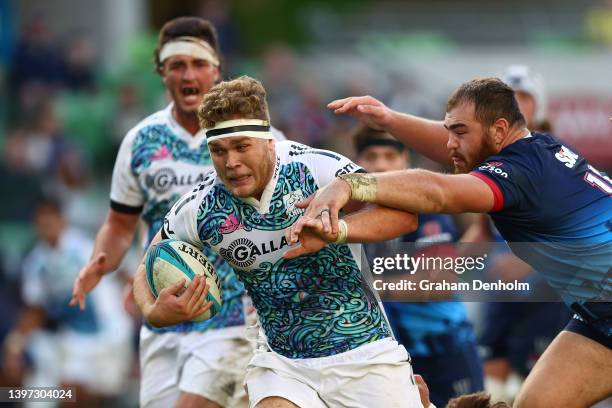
(325, 165)
(181, 222)
(508, 181)
(126, 195)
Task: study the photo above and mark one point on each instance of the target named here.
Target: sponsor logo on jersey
(242, 252)
(346, 169)
(494, 168)
(567, 157)
(291, 200)
(165, 178)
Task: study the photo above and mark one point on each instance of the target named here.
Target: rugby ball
(170, 260)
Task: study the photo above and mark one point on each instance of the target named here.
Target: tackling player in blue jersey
(549, 204)
(325, 340)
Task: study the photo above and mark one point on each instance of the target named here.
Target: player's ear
(217, 75)
(499, 130)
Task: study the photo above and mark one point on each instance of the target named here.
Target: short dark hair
(50, 203)
(364, 135)
(476, 400)
(492, 99)
(186, 27)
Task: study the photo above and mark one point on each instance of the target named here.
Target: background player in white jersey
(325, 339)
(160, 159)
(92, 350)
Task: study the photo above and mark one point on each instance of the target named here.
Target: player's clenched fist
(366, 109)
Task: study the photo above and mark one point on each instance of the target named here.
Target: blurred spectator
(22, 186)
(88, 350)
(279, 73)
(47, 152)
(218, 13)
(310, 123)
(79, 58)
(129, 110)
(36, 58)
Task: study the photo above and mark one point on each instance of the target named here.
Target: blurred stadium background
(77, 74)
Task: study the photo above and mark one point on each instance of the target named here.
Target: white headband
(256, 128)
(191, 46)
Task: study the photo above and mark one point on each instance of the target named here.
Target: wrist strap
(342, 232)
(363, 186)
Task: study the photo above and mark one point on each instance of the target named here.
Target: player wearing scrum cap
(160, 159)
(325, 340)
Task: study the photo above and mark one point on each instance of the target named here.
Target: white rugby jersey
(157, 163)
(48, 274)
(312, 306)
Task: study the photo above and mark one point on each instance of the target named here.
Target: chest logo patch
(290, 200)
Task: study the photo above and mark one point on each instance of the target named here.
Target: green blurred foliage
(266, 22)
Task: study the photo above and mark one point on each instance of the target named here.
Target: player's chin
(462, 168)
(188, 107)
(242, 192)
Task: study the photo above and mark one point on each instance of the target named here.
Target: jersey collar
(180, 131)
(263, 205)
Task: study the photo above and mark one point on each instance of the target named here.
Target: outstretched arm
(428, 137)
(373, 223)
(415, 191)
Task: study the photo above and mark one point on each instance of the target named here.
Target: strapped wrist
(364, 187)
(342, 232)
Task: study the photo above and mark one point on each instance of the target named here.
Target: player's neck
(189, 121)
(513, 136)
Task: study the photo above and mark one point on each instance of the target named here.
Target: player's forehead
(184, 59)
(462, 114)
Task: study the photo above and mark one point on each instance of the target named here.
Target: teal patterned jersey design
(315, 305)
(162, 166)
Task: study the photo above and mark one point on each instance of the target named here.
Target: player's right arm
(428, 137)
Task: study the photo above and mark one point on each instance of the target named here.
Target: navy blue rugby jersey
(555, 212)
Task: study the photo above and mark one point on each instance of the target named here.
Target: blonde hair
(241, 98)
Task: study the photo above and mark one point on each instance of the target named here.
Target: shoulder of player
(154, 121)
(208, 186)
(289, 151)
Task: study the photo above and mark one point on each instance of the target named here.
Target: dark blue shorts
(597, 327)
